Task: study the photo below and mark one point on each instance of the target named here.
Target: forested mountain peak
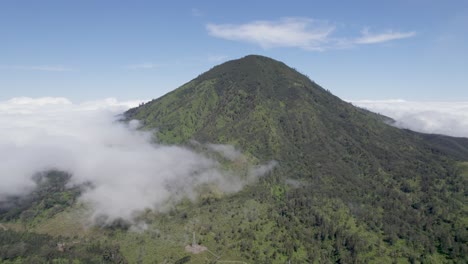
(347, 188)
(397, 185)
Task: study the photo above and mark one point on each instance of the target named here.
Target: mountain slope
(399, 188)
(348, 187)
(272, 112)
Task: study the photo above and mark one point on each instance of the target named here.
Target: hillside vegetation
(401, 190)
(348, 188)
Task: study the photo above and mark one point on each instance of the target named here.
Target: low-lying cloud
(128, 171)
(447, 118)
(227, 151)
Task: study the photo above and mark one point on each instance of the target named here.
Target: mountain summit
(272, 111)
(349, 186)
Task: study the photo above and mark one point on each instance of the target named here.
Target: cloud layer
(448, 118)
(305, 33)
(128, 170)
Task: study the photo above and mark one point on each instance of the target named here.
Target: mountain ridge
(348, 154)
(283, 96)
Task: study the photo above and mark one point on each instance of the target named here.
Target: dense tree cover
(349, 188)
(50, 196)
(403, 187)
(28, 247)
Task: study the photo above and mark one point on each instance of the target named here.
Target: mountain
(348, 186)
(401, 188)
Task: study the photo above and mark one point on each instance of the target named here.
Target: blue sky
(87, 50)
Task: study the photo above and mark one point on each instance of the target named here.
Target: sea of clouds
(129, 172)
(447, 118)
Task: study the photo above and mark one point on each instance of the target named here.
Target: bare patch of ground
(195, 249)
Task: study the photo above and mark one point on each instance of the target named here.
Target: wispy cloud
(372, 38)
(48, 68)
(297, 32)
(145, 65)
(288, 32)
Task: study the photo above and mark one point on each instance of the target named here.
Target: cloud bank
(128, 171)
(447, 118)
(298, 32)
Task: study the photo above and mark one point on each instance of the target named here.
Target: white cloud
(145, 65)
(48, 68)
(128, 170)
(304, 33)
(227, 151)
(448, 118)
(372, 38)
(288, 32)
